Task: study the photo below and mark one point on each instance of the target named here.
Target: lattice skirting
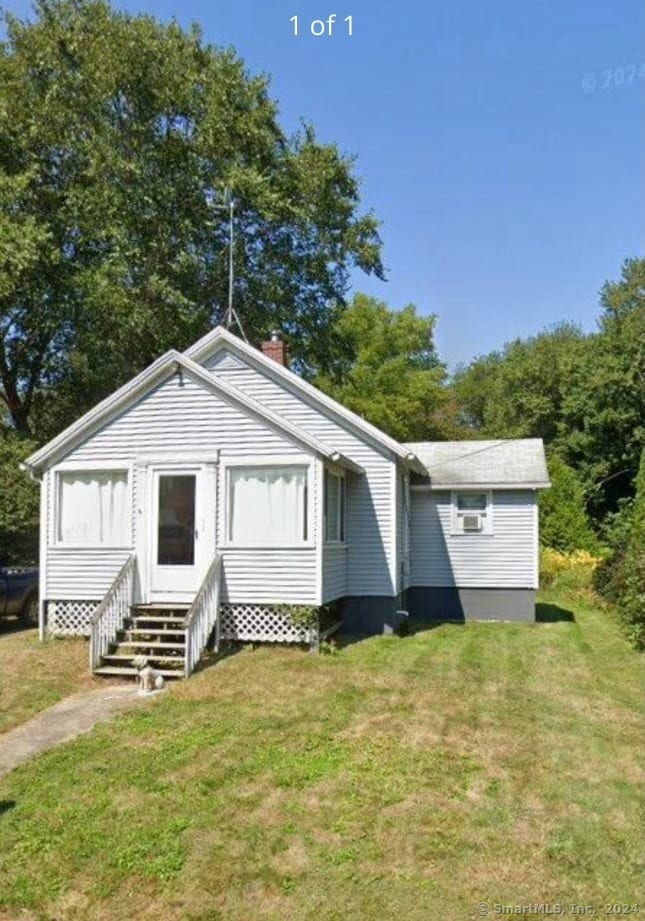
(70, 618)
(259, 623)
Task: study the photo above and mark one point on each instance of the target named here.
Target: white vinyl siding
(503, 559)
(334, 572)
(370, 520)
(181, 420)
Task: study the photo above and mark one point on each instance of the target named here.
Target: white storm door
(180, 543)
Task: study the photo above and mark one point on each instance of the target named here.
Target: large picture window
(267, 505)
(93, 508)
(334, 507)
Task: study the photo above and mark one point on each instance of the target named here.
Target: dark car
(19, 592)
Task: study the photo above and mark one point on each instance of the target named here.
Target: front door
(179, 544)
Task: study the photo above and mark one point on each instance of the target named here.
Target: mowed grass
(35, 675)
(403, 778)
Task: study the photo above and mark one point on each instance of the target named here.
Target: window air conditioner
(473, 522)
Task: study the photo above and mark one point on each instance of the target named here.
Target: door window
(176, 520)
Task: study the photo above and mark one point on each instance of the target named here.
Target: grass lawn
(403, 778)
(34, 675)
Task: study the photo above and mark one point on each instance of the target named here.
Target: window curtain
(267, 505)
(94, 508)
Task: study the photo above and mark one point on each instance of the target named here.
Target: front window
(471, 513)
(334, 502)
(267, 505)
(93, 508)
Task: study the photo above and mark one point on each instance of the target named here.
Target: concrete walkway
(64, 721)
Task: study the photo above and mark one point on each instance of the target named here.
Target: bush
(631, 569)
(570, 571)
(564, 524)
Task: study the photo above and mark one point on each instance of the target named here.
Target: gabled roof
(155, 374)
(503, 463)
(201, 350)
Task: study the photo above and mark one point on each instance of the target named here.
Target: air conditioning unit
(473, 522)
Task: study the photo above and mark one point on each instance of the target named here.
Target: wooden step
(153, 619)
(152, 631)
(121, 670)
(116, 657)
(148, 644)
(160, 607)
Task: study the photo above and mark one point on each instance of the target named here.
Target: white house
(217, 486)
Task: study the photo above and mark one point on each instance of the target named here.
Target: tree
(387, 370)
(604, 409)
(519, 392)
(18, 502)
(583, 394)
(564, 524)
(621, 578)
(633, 599)
(118, 137)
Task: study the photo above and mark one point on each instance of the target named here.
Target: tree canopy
(118, 138)
(387, 370)
(584, 394)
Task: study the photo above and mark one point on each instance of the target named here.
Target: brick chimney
(275, 348)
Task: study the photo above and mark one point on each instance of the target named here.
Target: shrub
(631, 598)
(570, 571)
(564, 523)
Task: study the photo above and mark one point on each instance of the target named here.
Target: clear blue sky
(501, 144)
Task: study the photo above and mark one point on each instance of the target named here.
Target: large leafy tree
(604, 408)
(386, 369)
(118, 137)
(584, 394)
(520, 391)
(18, 502)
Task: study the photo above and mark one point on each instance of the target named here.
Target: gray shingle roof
(517, 462)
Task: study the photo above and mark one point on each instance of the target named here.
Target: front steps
(154, 631)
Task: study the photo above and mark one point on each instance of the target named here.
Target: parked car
(19, 592)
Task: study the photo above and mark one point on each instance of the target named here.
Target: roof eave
(207, 344)
(438, 487)
(102, 413)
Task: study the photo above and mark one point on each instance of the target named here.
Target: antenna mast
(231, 316)
(230, 313)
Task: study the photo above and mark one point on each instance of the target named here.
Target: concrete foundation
(464, 604)
(370, 615)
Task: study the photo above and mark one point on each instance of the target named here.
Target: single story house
(218, 478)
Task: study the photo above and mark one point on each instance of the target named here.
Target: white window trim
(489, 524)
(126, 467)
(342, 510)
(269, 460)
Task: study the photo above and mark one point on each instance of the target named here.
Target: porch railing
(112, 611)
(203, 616)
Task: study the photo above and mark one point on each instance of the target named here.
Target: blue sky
(501, 145)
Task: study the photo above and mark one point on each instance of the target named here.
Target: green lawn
(35, 675)
(403, 778)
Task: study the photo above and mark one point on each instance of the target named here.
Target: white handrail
(112, 611)
(203, 616)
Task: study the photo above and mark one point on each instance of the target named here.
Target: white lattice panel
(259, 623)
(70, 618)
